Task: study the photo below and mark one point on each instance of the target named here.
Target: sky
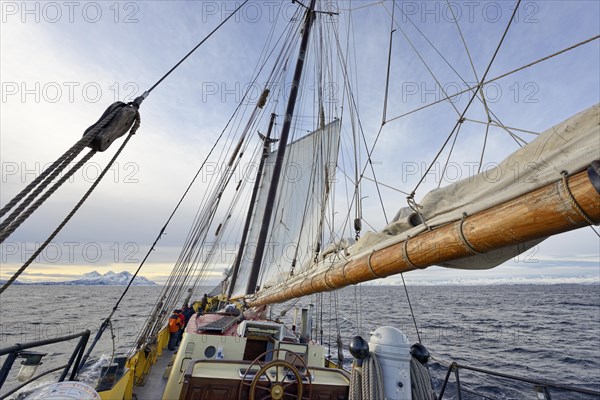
(63, 63)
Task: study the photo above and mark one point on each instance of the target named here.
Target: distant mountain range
(96, 279)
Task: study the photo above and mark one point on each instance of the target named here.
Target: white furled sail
(295, 229)
(569, 146)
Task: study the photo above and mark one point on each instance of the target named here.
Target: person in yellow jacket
(200, 306)
(196, 306)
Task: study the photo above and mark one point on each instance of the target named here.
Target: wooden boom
(544, 212)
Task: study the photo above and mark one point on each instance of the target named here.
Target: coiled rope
(366, 383)
(420, 381)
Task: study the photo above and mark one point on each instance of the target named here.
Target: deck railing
(542, 388)
(19, 350)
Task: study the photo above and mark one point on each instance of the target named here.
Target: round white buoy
(65, 391)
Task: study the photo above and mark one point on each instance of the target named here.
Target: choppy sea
(541, 332)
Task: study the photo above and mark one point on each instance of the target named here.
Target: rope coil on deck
(366, 383)
(420, 381)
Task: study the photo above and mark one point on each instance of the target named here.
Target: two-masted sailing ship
(297, 233)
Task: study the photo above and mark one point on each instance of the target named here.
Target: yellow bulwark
(136, 369)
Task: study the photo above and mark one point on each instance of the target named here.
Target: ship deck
(155, 381)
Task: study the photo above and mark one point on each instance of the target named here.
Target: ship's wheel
(287, 378)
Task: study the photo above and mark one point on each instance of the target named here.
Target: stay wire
(194, 49)
(485, 104)
(168, 294)
(353, 103)
(504, 75)
(412, 313)
(389, 64)
(450, 155)
(485, 138)
(17, 217)
(77, 206)
(201, 218)
(59, 163)
(489, 112)
(175, 277)
(477, 89)
(88, 137)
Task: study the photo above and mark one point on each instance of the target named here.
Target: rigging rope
(187, 264)
(354, 106)
(477, 89)
(14, 220)
(420, 381)
(437, 81)
(133, 130)
(481, 93)
(389, 64)
(64, 159)
(485, 138)
(411, 308)
(471, 88)
(194, 49)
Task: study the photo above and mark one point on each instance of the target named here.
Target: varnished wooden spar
(544, 212)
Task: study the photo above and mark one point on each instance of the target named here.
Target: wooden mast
(236, 265)
(285, 130)
(541, 213)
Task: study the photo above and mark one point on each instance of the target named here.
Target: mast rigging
(285, 131)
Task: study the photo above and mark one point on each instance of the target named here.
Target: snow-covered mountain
(108, 279)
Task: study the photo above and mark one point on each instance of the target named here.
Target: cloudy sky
(62, 64)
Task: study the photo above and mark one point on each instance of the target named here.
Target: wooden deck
(155, 383)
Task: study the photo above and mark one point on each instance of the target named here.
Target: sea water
(542, 332)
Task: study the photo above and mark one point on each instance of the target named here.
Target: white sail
(295, 228)
(570, 146)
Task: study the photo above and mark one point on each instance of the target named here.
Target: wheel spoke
(268, 389)
(288, 385)
(268, 377)
(277, 372)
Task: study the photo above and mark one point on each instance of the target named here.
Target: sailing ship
(275, 194)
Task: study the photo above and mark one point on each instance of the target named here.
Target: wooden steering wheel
(277, 379)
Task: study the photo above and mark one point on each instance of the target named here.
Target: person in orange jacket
(181, 326)
(174, 326)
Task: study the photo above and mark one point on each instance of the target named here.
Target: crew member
(204, 303)
(174, 324)
(187, 314)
